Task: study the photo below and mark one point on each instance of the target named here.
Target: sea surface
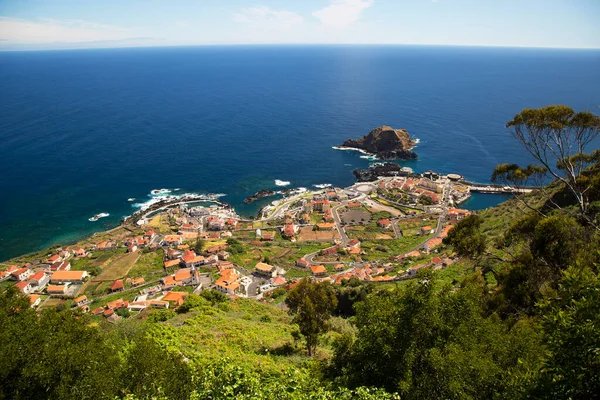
(82, 131)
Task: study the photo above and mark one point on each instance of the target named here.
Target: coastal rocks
(377, 170)
(259, 195)
(385, 143)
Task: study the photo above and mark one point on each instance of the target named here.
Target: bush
(161, 315)
(265, 319)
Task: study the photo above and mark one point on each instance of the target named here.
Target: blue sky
(45, 24)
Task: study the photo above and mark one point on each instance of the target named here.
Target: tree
(557, 138)
(466, 238)
(312, 304)
(199, 245)
(570, 320)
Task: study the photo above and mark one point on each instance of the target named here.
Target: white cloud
(268, 16)
(45, 31)
(342, 13)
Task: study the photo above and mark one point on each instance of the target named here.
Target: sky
(60, 24)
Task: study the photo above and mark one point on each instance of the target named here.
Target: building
(318, 271)
(39, 280)
(384, 223)
(289, 231)
(228, 282)
(338, 267)
(455, 214)
(172, 240)
(431, 243)
(190, 259)
(320, 205)
(34, 300)
(116, 286)
(24, 287)
(268, 236)
(54, 258)
(412, 271)
(81, 300)
(20, 274)
(176, 297)
(56, 290)
(79, 252)
(326, 226)
(265, 270)
(68, 277)
(301, 262)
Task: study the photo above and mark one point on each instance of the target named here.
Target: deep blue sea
(81, 131)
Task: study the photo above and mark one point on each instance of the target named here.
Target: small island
(385, 143)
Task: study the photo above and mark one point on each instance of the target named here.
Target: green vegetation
(516, 317)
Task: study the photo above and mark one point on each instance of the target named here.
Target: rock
(377, 170)
(259, 195)
(385, 143)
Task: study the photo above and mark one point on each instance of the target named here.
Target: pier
(491, 188)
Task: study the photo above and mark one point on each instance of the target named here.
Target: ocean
(82, 131)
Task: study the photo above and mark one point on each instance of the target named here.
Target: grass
(381, 249)
(233, 330)
(149, 266)
(118, 268)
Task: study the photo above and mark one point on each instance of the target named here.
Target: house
(176, 297)
(108, 312)
(98, 311)
(412, 271)
(338, 267)
(81, 300)
(223, 255)
(186, 276)
(189, 228)
(150, 235)
(216, 248)
(171, 263)
(159, 304)
(137, 282)
(39, 280)
(106, 245)
(79, 252)
(265, 270)
(60, 266)
(173, 254)
(445, 230)
(228, 282)
(132, 248)
(455, 214)
(289, 231)
(328, 216)
(384, 223)
(4, 275)
(437, 261)
(301, 262)
(268, 236)
(116, 286)
(232, 223)
(34, 300)
(354, 251)
(56, 290)
(54, 258)
(354, 205)
(190, 259)
(172, 240)
(24, 287)
(116, 304)
(426, 230)
(318, 271)
(68, 277)
(20, 274)
(431, 243)
(352, 243)
(329, 251)
(279, 281)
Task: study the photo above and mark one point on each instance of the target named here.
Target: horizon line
(6, 50)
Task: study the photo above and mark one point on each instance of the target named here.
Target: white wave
(282, 183)
(158, 198)
(369, 157)
(158, 192)
(347, 165)
(131, 199)
(98, 216)
(176, 190)
(350, 149)
(322, 185)
(417, 141)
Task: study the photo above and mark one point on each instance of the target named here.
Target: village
(381, 231)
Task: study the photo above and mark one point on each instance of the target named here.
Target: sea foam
(282, 183)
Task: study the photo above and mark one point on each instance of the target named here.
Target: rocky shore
(259, 195)
(385, 143)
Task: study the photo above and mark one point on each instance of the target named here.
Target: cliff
(385, 143)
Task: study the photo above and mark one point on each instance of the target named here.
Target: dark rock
(377, 170)
(385, 143)
(259, 195)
